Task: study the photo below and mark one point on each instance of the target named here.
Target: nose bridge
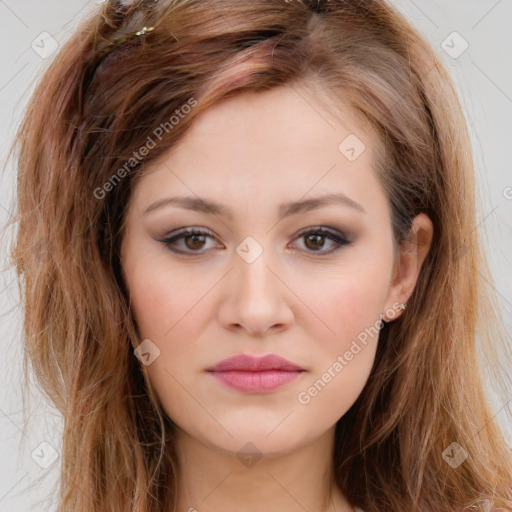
(252, 262)
(256, 301)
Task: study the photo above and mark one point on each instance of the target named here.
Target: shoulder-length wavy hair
(80, 150)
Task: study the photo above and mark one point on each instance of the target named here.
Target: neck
(216, 480)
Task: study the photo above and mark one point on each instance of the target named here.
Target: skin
(251, 153)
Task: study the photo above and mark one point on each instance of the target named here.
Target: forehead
(280, 142)
(297, 118)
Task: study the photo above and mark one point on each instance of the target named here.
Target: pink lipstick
(255, 374)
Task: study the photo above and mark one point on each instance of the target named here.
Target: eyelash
(183, 233)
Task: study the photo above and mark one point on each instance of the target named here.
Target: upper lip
(245, 362)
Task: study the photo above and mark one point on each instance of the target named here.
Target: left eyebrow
(285, 210)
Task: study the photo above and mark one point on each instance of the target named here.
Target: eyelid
(326, 230)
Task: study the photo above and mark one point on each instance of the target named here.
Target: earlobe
(411, 256)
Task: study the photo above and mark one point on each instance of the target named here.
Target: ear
(411, 255)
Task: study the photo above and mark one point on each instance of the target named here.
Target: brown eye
(188, 241)
(315, 240)
(194, 242)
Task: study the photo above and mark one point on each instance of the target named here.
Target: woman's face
(261, 277)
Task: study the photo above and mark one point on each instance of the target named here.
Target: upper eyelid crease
(285, 210)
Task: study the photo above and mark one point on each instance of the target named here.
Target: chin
(253, 435)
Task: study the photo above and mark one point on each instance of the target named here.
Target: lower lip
(256, 382)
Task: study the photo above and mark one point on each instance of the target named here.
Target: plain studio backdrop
(475, 41)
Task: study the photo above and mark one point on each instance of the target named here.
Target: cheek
(345, 353)
(169, 308)
(346, 303)
(349, 304)
(166, 302)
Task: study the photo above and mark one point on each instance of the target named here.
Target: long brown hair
(80, 149)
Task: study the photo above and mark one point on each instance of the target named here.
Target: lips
(255, 374)
(244, 362)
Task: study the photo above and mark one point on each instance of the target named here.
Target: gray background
(484, 79)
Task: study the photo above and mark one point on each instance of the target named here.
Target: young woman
(252, 279)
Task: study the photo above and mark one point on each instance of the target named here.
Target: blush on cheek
(173, 321)
(351, 306)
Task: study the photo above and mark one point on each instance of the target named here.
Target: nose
(256, 297)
